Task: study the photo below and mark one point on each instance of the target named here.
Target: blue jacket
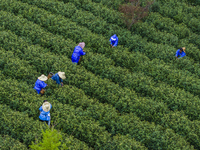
(180, 54)
(78, 51)
(114, 40)
(44, 116)
(57, 78)
(39, 85)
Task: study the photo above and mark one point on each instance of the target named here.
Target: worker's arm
(183, 54)
(61, 81)
(43, 84)
(57, 79)
(82, 52)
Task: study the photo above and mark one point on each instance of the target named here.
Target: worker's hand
(84, 50)
(112, 46)
(61, 83)
(47, 85)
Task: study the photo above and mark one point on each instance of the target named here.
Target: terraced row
(193, 38)
(179, 10)
(19, 125)
(186, 7)
(168, 24)
(151, 91)
(98, 25)
(181, 13)
(91, 109)
(118, 74)
(147, 29)
(160, 37)
(25, 33)
(66, 116)
(69, 10)
(143, 106)
(23, 128)
(7, 142)
(59, 7)
(180, 30)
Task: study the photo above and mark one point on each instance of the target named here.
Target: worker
(180, 52)
(78, 52)
(50, 75)
(45, 112)
(114, 40)
(40, 84)
(59, 77)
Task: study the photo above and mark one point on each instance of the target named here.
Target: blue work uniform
(78, 51)
(57, 78)
(44, 116)
(39, 85)
(114, 40)
(180, 54)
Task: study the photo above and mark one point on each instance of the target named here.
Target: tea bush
(7, 142)
(129, 64)
(97, 104)
(132, 105)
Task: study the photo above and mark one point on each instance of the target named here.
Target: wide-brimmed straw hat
(46, 106)
(61, 75)
(183, 49)
(82, 45)
(43, 78)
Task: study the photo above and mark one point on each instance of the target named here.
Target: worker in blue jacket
(180, 52)
(45, 112)
(40, 84)
(59, 77)
(78, 52)
(114, 40)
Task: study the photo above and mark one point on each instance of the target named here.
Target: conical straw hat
(82, 45)
(46, 106)
(43, 78)
(61, 75)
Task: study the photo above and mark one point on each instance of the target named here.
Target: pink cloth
(82, 45)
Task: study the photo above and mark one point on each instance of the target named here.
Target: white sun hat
(82, 45)
(43, 78)
(61, 75)
(46, 106)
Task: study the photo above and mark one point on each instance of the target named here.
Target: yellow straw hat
(43, 78)
(46, 106)
(61, 75)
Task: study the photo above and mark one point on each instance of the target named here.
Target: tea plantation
(134, 96)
